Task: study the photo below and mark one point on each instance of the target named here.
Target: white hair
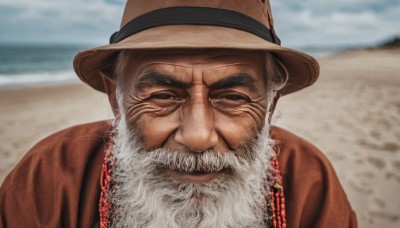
(142, 197)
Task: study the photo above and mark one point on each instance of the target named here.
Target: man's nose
(197, 128)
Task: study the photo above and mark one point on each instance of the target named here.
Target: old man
(193, 85)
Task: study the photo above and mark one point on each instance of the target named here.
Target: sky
(299, 23)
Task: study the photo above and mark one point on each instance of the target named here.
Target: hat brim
(303, 69)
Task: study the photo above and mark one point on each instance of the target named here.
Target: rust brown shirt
(56, 184)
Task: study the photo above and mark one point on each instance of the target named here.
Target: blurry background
(38, 38)
(352, 113)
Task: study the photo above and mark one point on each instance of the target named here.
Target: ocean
(26, 65)
(30, 65)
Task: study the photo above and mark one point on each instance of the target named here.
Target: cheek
(156, 124)
(242, 124)
(153, 122)
(155, 129)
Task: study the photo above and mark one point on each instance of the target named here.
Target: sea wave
(37, 79)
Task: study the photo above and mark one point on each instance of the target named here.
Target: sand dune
(352, 114)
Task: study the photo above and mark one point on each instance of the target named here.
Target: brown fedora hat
(191, 24)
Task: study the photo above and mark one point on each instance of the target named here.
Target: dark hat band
(195, 16)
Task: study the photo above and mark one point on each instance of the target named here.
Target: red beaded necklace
(276, 205)
(105, 204)
(277, 197)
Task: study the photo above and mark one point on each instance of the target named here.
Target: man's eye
(165, 96)
(234, 97)
(229, 99)
(168, 101)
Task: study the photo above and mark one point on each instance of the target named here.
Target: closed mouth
(196, 176)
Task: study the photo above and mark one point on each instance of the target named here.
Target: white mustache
(187, 161)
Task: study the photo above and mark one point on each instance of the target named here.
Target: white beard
(143, 197)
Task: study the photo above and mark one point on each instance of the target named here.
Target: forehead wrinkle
(191, 60)
(142, 68)
(234, 80)
(232, 64)
(195, 58)
(160, 68)
(235, 70)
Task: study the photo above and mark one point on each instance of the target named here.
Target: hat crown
(204, 24)
(259, 10)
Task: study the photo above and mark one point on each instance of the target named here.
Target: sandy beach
(352, 114)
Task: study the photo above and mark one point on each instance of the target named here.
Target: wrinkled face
(192, 148)
(195, 101)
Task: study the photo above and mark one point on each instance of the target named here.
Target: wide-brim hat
(194, 24)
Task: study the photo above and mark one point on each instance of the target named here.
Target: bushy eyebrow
(240, 79)
(157, 78)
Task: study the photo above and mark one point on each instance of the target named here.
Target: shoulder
(56, 173)
(294, 152)
(66, 147)
(314, 195)
(78, 133)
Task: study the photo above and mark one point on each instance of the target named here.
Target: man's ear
(110, 86)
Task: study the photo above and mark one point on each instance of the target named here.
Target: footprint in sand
(335, 156)
(366, 174)
(387, 146)
(391, 175)
(384, 123)
(360, 189)
(365, 143)
(376, 162)
(359, 161)
(378, 202)
(391, 146)
(396, 166)
(375, 134)
(4, 152)
(397, 135)
(383, 215)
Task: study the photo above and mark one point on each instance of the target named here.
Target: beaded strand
(276, 196)
(105, 185)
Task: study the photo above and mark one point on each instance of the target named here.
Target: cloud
(59, 21)
(299, 23)
(335, 22)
